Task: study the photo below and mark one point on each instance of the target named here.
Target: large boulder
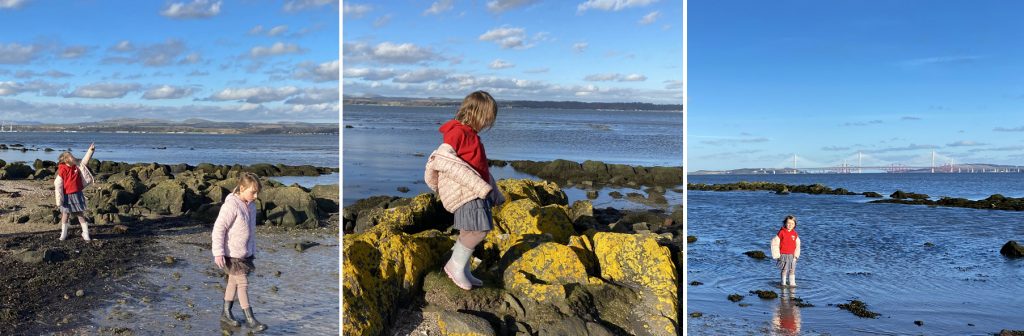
(289, 207)
(381, 268)
(169, 197)
(326, 197)
(461, 324)
(16, 171)
(522, 218)
(153, 173)
(639, 262)
(540, 192)
(1012, 250)
(542, 273)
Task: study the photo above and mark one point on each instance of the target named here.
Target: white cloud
(381, 21)
(315, 96)
(74, 52)
(369, 74)
(501, 64)
(612, 5)
(278, 48)
(124, 45)
(940, 60)
(507, 37)
(964, 143)
(673, 85)
(388, 53)
(278, 30)
(167, 92)
(355, 10)
(14, 53)
(15, 4)
(49, 73)
(323, 72)
(103, 90)
(421, 76)
(650, 18)
(255, 95)
(192, 58)
(39, 87)
(607, 77)
(78, 112)
(537, 70)
(498, 6)
(159, 54)
(580, 46)
(439, 7)
(196, 9)
(258, 29)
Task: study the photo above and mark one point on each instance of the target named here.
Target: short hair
(478, 110)
(784, 220)
(249, 180)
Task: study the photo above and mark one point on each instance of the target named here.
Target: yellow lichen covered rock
(422, 212)
(638, 261)
(540, 192)
(519, 219)
(381, 267)
(583, 246)
(542, 273)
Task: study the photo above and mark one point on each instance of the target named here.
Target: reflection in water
(786, 319)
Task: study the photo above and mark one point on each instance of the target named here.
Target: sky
(824, 80)
(232, 60)
(582, 50)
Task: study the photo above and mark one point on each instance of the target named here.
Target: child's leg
(242, 285)
(230, 289)
(84, 224)
(229, 300)
(792, 274)
(782, 275)
(63, 225)
(470, 239)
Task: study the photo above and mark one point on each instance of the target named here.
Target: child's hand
(92, 146)
(219, 260)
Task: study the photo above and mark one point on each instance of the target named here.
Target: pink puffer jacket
(455, 181)
(234, 232)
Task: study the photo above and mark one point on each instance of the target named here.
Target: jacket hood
(234, 198)
(453, 124)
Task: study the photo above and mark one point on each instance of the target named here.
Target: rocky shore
(596, 173)
(47, 283)
(549, 267)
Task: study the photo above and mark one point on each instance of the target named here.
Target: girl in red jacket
(72, 177)
(786, 249)
(473, 215)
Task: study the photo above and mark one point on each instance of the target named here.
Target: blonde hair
(478, 110)
(248, 180)
(66, 158)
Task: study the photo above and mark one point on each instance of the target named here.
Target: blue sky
(78, 60)
(894, 80)
(596, 50)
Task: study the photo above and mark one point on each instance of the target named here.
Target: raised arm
(88, 153)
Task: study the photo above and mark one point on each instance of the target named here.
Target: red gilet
(467, 145)
(787, 241)
(72, 180)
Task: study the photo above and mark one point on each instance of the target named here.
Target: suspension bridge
(860, 163)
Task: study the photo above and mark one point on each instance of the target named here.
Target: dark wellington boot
(251, 323)
(227, 317)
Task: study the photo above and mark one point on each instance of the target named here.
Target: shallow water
(157, 300)
(971, 186)
(387, 146)
(875, 253)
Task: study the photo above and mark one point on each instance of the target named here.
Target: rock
(420, 213)
(523, 217)
(642, 226)
(639, 262)
(80, 293)
(403, 189)
(42, 214)
(696, 314)
(326, 197)
(872, 194)
(615, 194)
(380, 268)
(858, 308)
(767, 295)
(735, 297)
(460, 324)
(439, 291)
(288, 207)
(42, 173)
(1012, 250)
(691, 239)
(36, 257)
(696, 283)
(169, 260)
(16, 171)
(756, 254)
(169, 197)
(919, 323)
(1008, 332)
(119, 229)
(591, 194)
(541, 273)
(540, 192)
(303, 246)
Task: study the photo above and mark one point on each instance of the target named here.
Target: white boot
(792, 280)
(85, 231)
(456, 266)
(64, 230)
(783, 282)
(469, 272)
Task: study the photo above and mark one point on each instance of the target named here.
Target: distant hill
(194, 125)
(448, 102)
(959, 168)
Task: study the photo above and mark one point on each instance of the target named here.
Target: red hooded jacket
(467, 145)
(72, 180)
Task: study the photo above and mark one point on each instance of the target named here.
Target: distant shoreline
(562, 105)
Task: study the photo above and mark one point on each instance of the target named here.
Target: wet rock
(735, 297)
(16, 171)
(858, 308)
(615, 194)
(591, 194)
(38, 256)
(403, 189)
(692, 239)
(288, 207)
(696, 283)
(349, 126)
(169, 260)
(1008, 332)
(919, 323)
(303, 246)
(872, 194)
(169, 197)
(696, 314)
(639, 262)
(1012, 250)
(767, 295)
(756, 254)
(326, 197)
(801, 303)
(452, 323)
(899, 194)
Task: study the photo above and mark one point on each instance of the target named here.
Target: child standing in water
(234, 247)
(72, 177)
(786, 249)
(458, 172)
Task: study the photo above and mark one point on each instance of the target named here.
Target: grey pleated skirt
(73, 203)
(786, 262)
(239, 266)
(475, 215)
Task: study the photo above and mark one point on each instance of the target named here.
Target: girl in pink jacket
(234, 247)
(458, 172)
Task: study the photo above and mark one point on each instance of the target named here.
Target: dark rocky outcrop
(1012, 250)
